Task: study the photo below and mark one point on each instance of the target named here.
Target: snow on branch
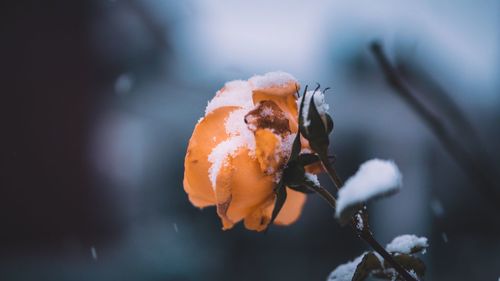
(272, 79)
(407, 244)
(374, 179)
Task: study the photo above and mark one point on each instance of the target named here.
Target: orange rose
(238, 151)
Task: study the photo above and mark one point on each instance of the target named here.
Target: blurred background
(99, 99)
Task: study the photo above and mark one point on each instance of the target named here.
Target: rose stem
(486, 185)
(330, 170)
(329, 198)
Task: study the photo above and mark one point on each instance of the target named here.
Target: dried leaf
(410, 262)
(369, 263)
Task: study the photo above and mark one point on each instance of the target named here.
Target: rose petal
(198, 201)
(207, 134)
(268, 148)
(293, 207)
(250, 187)
(259, 219)
(242, 190)
(223, 194)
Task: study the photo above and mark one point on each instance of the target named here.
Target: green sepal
(308, 158)
(293, 174)
(280, 191)
(329, 123)
(296, 147)
(302, 188)
(317, 134)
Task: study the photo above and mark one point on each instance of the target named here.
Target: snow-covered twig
(407, 244)
(375, 178)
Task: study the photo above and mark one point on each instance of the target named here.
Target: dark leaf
(329, 124)
(293, 174)
(302, 129)
(327, 196)
(302, 105)
(347, 213)
(294, 177)
(301, 188)
(418, 249)
(296, 147)
(317, 134)
(369, 263)
(386, 275)
(280, 191)
(410, 262)
(311, 185)
(308, 158)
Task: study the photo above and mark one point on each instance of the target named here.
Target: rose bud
(321, 106)
(239, 149)
(315, 123)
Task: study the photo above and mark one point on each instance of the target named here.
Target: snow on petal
(238, 93)
(219, 155)
(271, 79)
(373, 179)
(235, 93)
(235, 126)
(404, 244)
